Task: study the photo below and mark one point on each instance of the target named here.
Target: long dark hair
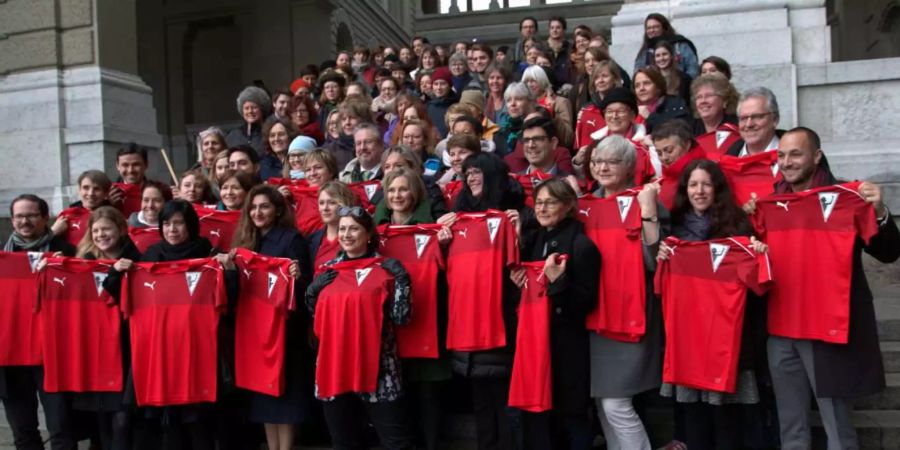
(496, 193)
(187, 211)
(726, 217)
(667, 31)
(247, 234)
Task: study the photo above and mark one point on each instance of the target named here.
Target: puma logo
(591, 122)
(585, 212)
(61, 281)
(215, 233)
(247, 273)
(782, 205)
(382, 242)
(463, 232)
(76, 225)
(150, 285)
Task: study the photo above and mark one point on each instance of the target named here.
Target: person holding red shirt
(703, 210)
(143, 226)
(126, 193)
(267, 227)
(715, 101)
(605, 76)
(384, 406)
(621, 370)
(572, 289)
(22, 386)
(676, 147)
(323, 243)
(93, 192)
(835, 372)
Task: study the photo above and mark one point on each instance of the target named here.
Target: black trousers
(115, 430)
(495, 425)
(712, 427)
(24, 386)
(551, 430)
(425, 399)
(346, 417)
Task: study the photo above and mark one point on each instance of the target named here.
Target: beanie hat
(441, 73)
(473, 98)
(620, 95)
(297, 84)
(256, 95)
(301, 144)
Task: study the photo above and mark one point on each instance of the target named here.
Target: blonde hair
(86, 246)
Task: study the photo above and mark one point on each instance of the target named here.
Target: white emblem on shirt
(718, 252)
(192, 279)
(782, 205)
(370, 190)
(421, 242)
(99, 278)
(586, 212)
(247, 273)
(720, 137)
(33, 259)
(61, 281)
(624, 205)
(493, 225)
(827, 200)
(150, 285)
(76, 225)
(591, 122)
(273, 279)
(215, 233)
(361, 275)
(463, 232)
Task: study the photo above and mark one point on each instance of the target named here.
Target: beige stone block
(77, 46)
(26, 51)
(75, 13)
(19, 16)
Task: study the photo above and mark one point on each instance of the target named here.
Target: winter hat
(297, 84)
(332, 75)
(620, 95)
(301, 144)
(473, 98)
(441, 73)
(255, 95)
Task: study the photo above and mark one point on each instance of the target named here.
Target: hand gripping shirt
(417, 248)
(529, 182)
(173, 312)
(716, 143)
(131, 202)
(751, 174)
(818, 225)
(306, 209)
(266, 296)
(20, 329)
(483, 245)
(218, 226)
(703, 286)
(531, 384)
(77, 218)
(143, 238)
(349, 316)
(81, 327)
(613, 224)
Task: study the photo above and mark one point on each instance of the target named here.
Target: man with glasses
(369, 147)
(19, 384)
(757, 118)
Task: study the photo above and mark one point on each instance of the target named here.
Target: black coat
(573, 295)
(856, 369)
(671, 108)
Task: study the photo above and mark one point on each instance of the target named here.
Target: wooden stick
(169, 165)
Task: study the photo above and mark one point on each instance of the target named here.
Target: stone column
(70, 96)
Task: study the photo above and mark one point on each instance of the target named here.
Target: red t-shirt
(613, 224)
(81, 327)
(716, 143)
(173, 329)
(417, 248)
(20, 329)
(77, 217)
(451, 191)
(703, 286)
(753, 173)
(590, 119)
(484, 243)
(306, 209)
(364, 191)
(218, 226)
(529, 182)
(820, 226)
(131, 203)
(266, 296)
(143, 238)
(643, 168)
(531, 384)
(349, 317)
(327, 251)
(669, 181)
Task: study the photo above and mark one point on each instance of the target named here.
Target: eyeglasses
(616, 112)
(351, 211)
(24, 217)
(552, 203)
(706, 97)
(753, 117)
(608, 162)
(534, 140)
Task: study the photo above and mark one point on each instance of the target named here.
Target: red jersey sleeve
(125, 301)
(864, 219)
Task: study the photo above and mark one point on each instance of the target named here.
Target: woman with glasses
(355, 303)
(572, 291)
(305, 118)
(385, 105)
(620, 370)
(715, 102)
(604, 77)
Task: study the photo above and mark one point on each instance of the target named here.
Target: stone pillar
(763, 40)
(70, 97)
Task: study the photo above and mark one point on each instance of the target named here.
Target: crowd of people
(563, 237)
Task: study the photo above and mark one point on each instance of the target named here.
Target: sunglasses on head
(354, 211)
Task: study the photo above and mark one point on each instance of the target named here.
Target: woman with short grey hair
(209, 143)
(520, 102)
(254, 105)
(622, 367)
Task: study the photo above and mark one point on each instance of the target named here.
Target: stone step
(875, 430)
(890, 352)
(888, 399)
